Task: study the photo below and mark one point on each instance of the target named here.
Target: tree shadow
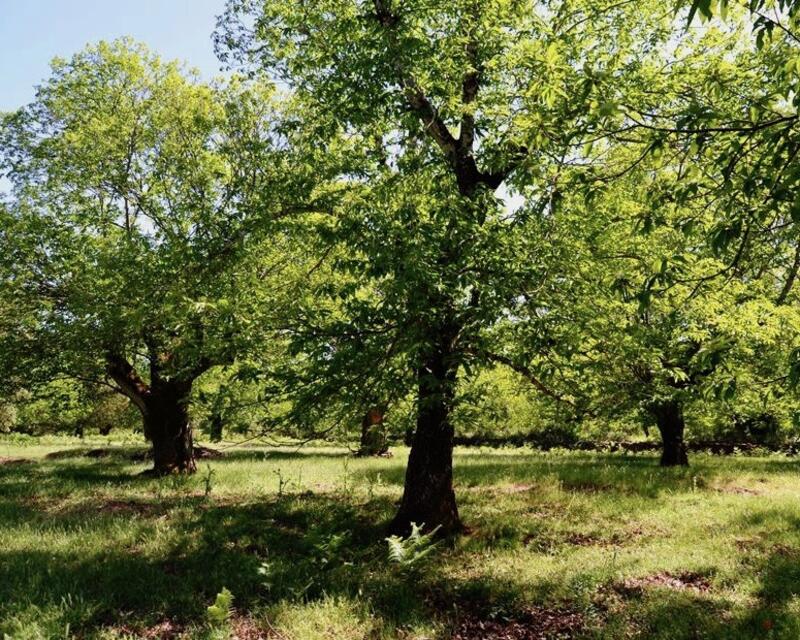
(302, 547)
(585, 473)
(774, 614)
(297, 548)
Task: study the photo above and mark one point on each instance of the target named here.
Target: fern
(409, 552)
(219, 612)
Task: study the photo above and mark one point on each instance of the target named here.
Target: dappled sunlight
(298, 539)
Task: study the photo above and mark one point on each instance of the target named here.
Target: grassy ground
(561, 545)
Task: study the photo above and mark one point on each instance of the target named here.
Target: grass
(89, 549)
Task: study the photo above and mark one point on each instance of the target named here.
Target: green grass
(89, 549)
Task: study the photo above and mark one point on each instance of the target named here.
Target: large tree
(133, 239)
(442, 108)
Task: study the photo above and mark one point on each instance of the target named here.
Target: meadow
(559, 545)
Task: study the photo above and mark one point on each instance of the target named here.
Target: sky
(32, 32)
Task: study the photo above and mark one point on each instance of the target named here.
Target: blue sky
(32, 32)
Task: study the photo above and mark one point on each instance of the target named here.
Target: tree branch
(526, 373)
(457, 151)
(130, 383)
(790, 278)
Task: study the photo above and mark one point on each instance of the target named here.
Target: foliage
(409, 552)
(431, 116)
(136, 238)
(222, 609)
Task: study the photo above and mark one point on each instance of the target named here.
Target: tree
(643, 320)
(434, 106)
(373, 433)
(141, 195)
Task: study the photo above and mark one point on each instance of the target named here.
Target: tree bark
(167, 426)
(669, 419)
(373, 433)
(163, 404)
(428, 496)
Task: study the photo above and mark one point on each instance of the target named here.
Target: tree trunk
(373, 434)
(163, 404)
(215, 428)
(166, 425)
(428, 496)
(669, 419)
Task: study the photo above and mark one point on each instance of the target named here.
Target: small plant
(372, 483)
(329, 551)
(347, 489)
(222, 609)
(409, 552)
(265, 571)
(208, 481)
(283, 483)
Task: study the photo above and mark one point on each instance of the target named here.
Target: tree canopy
(142, 201)
(389, 205)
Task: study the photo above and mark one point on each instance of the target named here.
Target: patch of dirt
(741, 491)
(686, 581)
(124, 507)
(164, 630)
(747, 545)
(583, 540)
(200, 453)
(244, 628)
(586, 487)
(88, 508)
(65, 454)
(205, 453)
(533, 623)
(540, 542)
(538, 513)
(638, 531)
(634, 533)
(783, 550)
(98, 453)
(4, 461)
(517, 488)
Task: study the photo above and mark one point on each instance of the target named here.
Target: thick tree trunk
(669, 419)
(163, 404)
(373, 434)
(166, 422)
(428, 496)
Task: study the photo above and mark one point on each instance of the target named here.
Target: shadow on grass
(302, 547)
(773, 612)
(625, 474)
(260, 455)
(298, 548)
(665, 615)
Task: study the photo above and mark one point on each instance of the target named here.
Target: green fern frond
(397, 552)
(221, 610)
(409, 552)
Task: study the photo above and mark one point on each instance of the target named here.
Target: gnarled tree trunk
(167, 426)
(428, 496)
(163, 404)
(373, 433)
(669, 419)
